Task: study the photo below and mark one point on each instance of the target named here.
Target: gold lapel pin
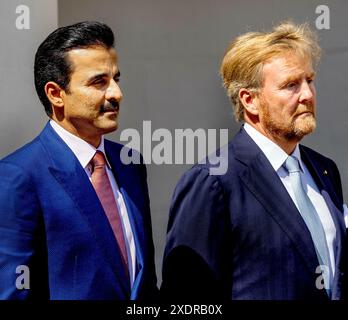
(325, 172)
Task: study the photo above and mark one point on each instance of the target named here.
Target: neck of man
(287, 144)
(92, 140)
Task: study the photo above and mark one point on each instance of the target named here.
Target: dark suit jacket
(240, 235)
(52, 221)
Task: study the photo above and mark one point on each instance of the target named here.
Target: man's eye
(117, 80)
(99, 82)
(291, 84)
(310, 80)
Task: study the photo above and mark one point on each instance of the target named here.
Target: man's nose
(307, 92)
(113, 92)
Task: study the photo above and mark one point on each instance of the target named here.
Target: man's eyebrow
(101, 76)
(295, 77)
(97, 77)
(312, 74)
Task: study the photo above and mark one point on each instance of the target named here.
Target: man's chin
(305, 126)
(111, 129)
(109, 126)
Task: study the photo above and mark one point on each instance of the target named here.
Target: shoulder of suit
(113, 144)
(25, 154)
(201, 175)
(115, 147)
(314, 154)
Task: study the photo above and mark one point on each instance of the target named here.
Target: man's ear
(54, 94)
(250, 101)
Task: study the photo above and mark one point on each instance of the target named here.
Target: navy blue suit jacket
(52, 221)
(240, 236)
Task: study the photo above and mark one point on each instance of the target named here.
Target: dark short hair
(51, 62)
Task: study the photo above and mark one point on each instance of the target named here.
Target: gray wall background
(169, 57)
(21, 114)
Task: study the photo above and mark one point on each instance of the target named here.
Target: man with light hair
(273, 226)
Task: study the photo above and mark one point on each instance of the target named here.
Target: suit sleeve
(194, 260)
(344, 262)
(18, 220)
(336, 179)
(152, 292)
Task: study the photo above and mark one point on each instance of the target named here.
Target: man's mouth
(110, 108)
(307, 111)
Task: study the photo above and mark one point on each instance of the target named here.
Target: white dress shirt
(277, 156)
(345, 208)
(84, 152)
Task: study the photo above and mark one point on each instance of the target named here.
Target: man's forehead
(286, 64)
(95, 57)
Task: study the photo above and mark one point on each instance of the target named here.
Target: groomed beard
(295, 128)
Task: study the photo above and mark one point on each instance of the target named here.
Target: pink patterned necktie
(102, 186)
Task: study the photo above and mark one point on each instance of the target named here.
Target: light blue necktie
(308, 213)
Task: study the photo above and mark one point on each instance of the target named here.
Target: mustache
(111, 105)
(305, 108)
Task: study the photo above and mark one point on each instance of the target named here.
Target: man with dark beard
(74, 220)
(273, 226)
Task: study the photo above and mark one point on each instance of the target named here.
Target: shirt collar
(296, 154)
(275, 154)
(83, 151)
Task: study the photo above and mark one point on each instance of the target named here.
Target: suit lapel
(127, 182)
(321, 178)
(320, 175)
(71, 176)
(265, 184)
